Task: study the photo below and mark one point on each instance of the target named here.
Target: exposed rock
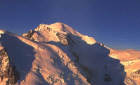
(8, 73)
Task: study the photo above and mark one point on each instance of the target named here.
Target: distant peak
(58, 26)
(58, 23)
(55, 31)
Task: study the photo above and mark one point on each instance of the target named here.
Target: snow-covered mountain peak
(56, 32)
(56, 54)
(56, 27)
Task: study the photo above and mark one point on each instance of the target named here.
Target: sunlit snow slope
(56, 54)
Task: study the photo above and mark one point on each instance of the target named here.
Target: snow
(56, 54)
(41, 64)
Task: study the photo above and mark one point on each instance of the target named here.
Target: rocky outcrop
(8, 73)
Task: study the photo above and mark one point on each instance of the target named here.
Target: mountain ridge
(56, 54)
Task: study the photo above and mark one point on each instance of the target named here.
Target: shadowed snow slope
(56, 54)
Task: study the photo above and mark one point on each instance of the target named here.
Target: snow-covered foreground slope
(56, 54)
(131, 61)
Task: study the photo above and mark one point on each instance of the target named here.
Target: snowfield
(56, 54)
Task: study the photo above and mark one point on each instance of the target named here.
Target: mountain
(131, 60)
(56, 54)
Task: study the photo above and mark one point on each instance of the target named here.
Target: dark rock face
(7, 70)
(62, 38)
(29, 34)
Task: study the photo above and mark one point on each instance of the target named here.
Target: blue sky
(115, 23)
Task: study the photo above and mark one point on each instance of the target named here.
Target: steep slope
(56, 54)
(91, 56)
(39, 64)
(8, 74)
(131, 60)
